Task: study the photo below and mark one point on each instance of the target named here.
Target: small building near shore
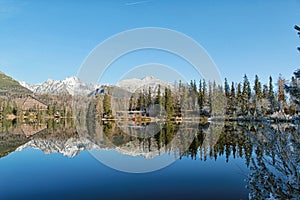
(31, 103)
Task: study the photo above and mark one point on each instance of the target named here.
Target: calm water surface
(235, 161)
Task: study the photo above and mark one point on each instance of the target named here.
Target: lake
(165, 161)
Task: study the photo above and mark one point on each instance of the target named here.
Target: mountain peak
(72, 78)
(148, 78)
(135, 84)
(72, 85)
(49, 80)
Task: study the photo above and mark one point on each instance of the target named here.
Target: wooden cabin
(28, 130)
(30, 103)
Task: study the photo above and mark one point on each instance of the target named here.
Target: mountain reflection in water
(270, 151)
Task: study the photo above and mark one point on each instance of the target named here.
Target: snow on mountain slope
(26, 85)
(69, 147)
(74, 86)
(71, 85)
(134, 84)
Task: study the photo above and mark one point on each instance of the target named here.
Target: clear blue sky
(50, 39)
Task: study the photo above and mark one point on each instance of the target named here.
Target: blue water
(30, 174)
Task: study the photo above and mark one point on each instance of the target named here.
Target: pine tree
(258, 95)
(184, 99)
(232, 99)
(131, 103)
(158, 96)
(265, 100)
(193, 95)
(298, 29)
(294, 81)
(177, 105)
(271, 97)
(294, 89)
(158, 100)
(257, 89)
(246, 95)
(265, 91)
(271, 92)
(107, 105)
(246, 89)
(191, 85)
(195, 87)
(200, 96)
(227, 95)
(149, 97)
(281, 94)
(210, 97)
(180, 85)
(169, 103)
(226, 88)
(141, 101)
(204, 93)
(240, 99)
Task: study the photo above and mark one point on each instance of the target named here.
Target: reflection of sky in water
(30, 174)
(135, 164)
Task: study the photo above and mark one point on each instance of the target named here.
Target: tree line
(230, 99)
(10, 110)
(202, 98)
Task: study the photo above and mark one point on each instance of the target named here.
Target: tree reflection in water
(271, 151)
(276, 165)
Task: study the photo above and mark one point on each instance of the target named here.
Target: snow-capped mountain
(72, 147)
(26, 85)
(71, 85)
(69, 147)
(134, 84)
(75, 86)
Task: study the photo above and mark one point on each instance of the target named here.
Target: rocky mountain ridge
(71, 85)
(74, 86)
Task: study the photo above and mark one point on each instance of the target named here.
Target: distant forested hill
(10, 87)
